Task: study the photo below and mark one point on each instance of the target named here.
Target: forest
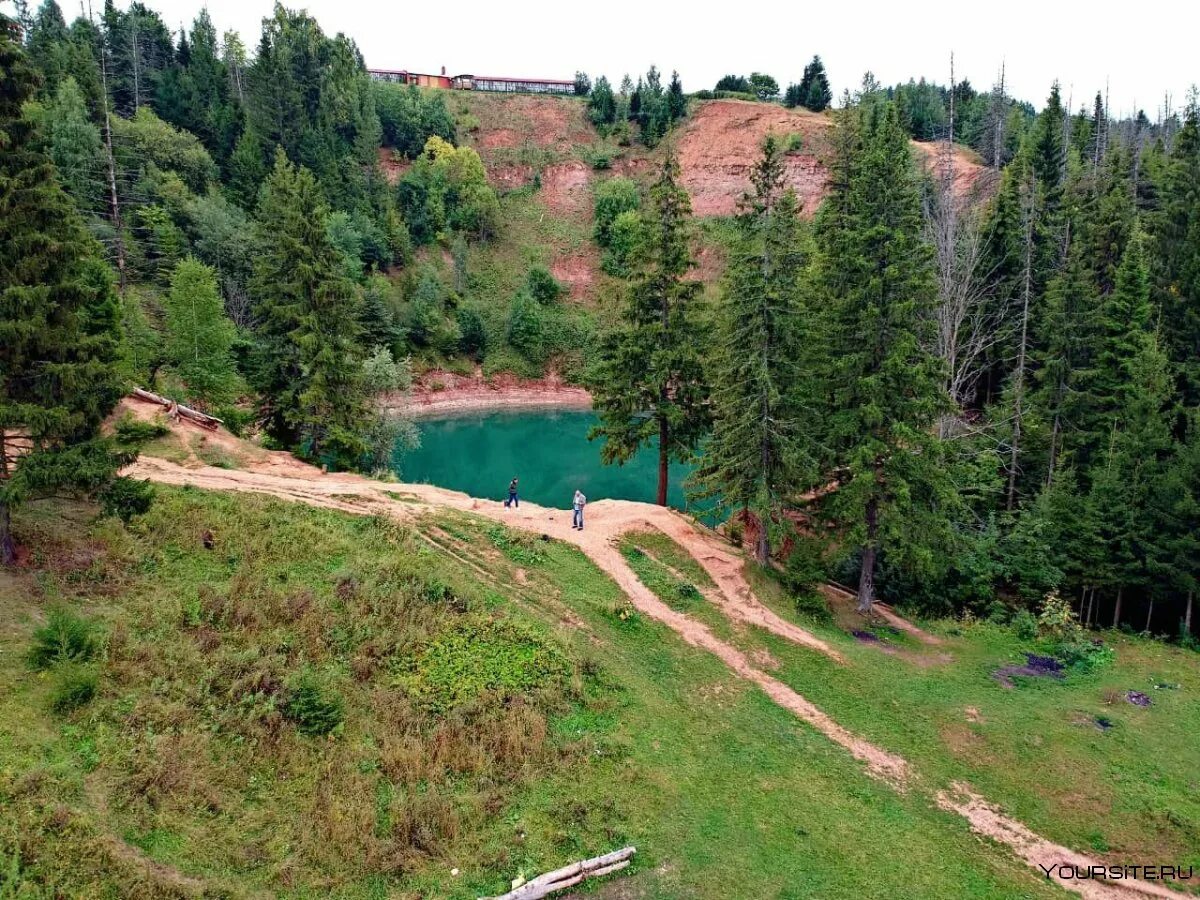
(957, 401)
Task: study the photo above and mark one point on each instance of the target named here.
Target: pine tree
(1176, 230)
(1129, 474)
(885, 383)
(199, 336)
(75, 148)
(649, 380)
(818, 96)
(58, 320)
(676, 101)
(1176, 522)
(759, 453)
(310, 365)
(1122, 330)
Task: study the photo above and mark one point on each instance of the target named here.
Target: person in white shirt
(578, 504)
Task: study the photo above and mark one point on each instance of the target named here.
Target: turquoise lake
(546, 449)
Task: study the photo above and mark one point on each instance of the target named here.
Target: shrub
(64, 638)
(472, 333)
(613, 197)
(134, 432)
(812, 603)
(126, 497)
(525, 332)
(74, 687)
(315, 708)
(805, 566)
(625, 238)
(1024, 625)
(543, 286)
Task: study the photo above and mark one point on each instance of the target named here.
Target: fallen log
(570, 876)
(178, 410)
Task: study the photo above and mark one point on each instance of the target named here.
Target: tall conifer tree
(759, 453)
(885, 383)
(649, 381)
(310, 364)
(58, 320)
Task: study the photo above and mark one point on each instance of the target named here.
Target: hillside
(512, 702)
(540, 154)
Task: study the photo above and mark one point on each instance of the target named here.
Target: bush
(543, 286)
(1024, 625)
(126, 497)
(812, 603)
(472, 333)
(625, 239)
(133, 432)
(64, 638)
(74, 687)
(315, 708)
(805, 567)
(613, 197)
(525, 333)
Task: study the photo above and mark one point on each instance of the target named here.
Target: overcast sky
(1142, 50)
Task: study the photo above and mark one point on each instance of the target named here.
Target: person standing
(513, 499)
(577, 505)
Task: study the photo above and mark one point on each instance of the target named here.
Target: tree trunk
(114, 210)
(1117, 609)
(762, 545)
(1019, 374)
(664, 434)
(866, 576)
(1149, 615)
(1187, 616)
(8, 546)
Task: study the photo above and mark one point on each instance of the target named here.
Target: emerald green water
(546, 449)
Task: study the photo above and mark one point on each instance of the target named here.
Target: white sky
(1142, 49)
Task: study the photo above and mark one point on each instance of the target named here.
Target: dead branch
(178, 410)
(570, 876)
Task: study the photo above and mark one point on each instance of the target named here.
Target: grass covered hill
(237, 696)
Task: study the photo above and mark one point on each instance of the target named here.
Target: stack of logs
(569, 876)
(179, 411)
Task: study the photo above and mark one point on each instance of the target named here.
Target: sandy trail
(607, 520)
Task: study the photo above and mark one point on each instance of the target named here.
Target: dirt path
(607, 520)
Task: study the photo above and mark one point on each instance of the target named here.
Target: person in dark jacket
(513, 499)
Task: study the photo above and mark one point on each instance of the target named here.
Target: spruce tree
(58, 320)
(75, 148)
(1176, 229)
(309, 368)
(885, 384)
(1130, 472)
(649, 381)
(1122, 330)
(759, 453)
(199, 335)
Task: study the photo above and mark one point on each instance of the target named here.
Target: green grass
(503, 717)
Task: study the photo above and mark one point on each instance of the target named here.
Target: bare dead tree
(998, 115)
(1022, 346)
(967, 324)
(114, 210)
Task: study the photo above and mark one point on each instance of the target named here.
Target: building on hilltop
(492, 83)
(420, 79)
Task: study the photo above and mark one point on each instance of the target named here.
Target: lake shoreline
(442, 394)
